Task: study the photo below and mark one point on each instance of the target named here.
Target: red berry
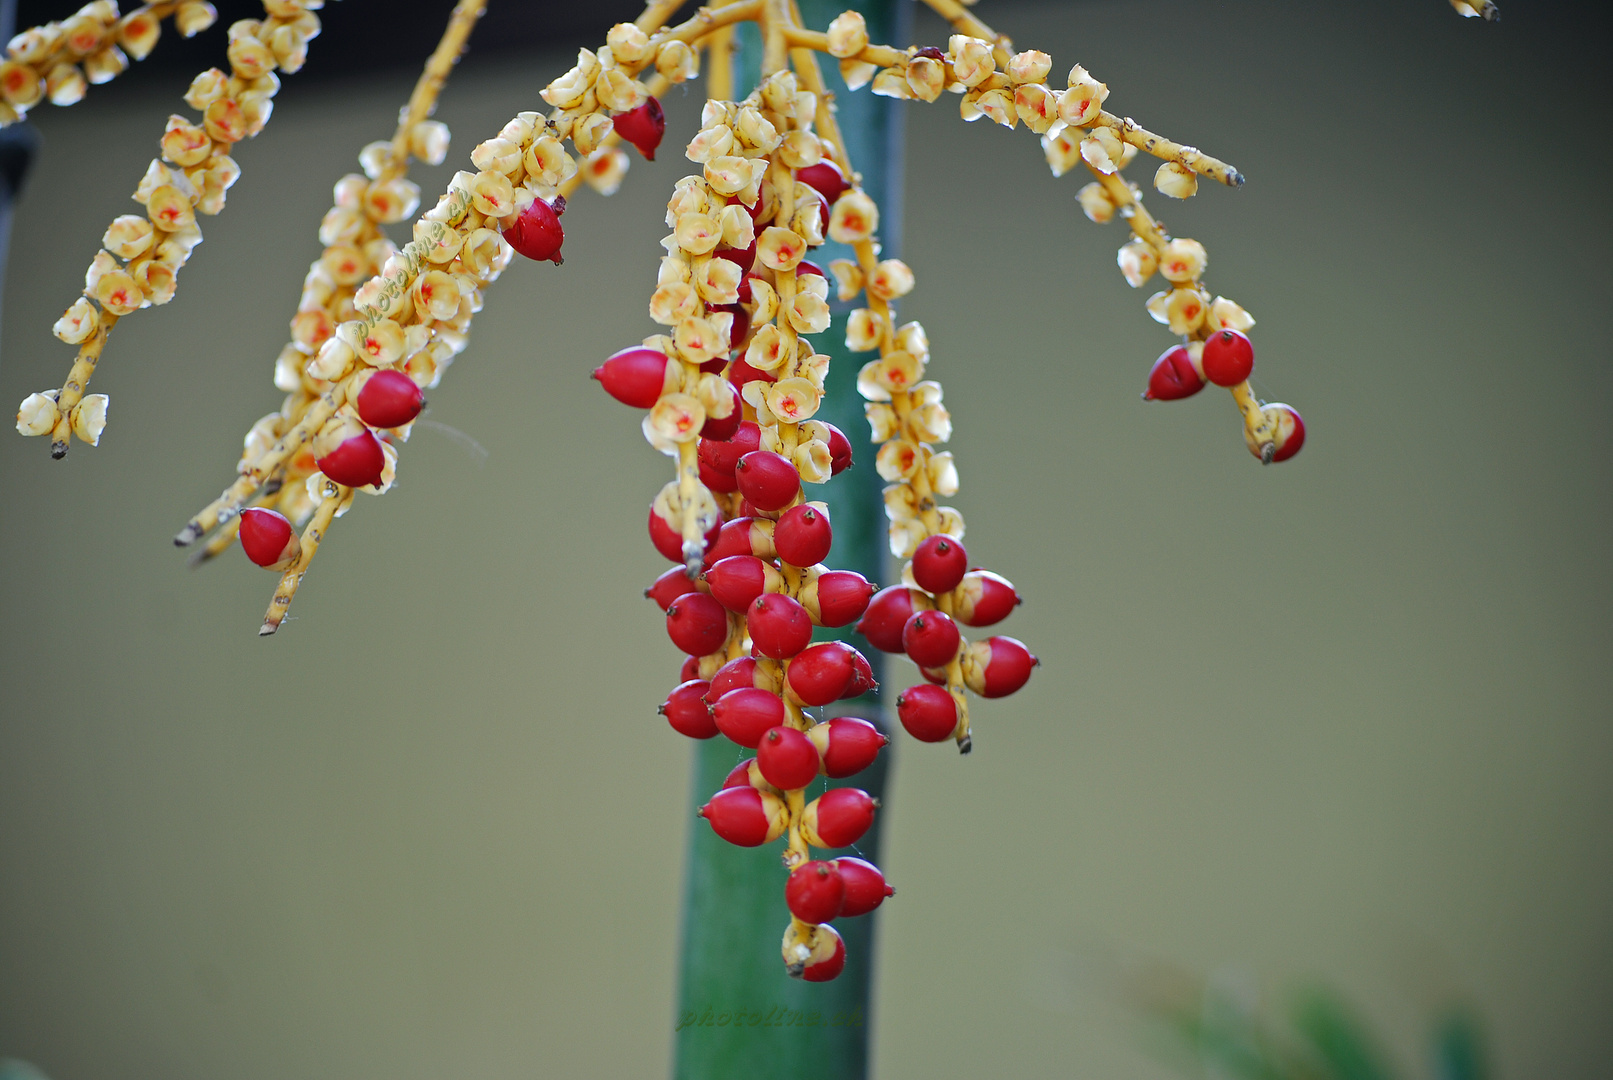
(686, 710)
(997, 666)
(637, 376)
(935, 676)
(839, 450)
(740, 775)
(745, 259)
(690, 669)
(825, 178)
(643, 127)
(1290, 440)
(767, 480)
(725, 427)
(866, 887)
(984, 599)
(929, 713)
(742, 373)
(887, 613)
(668, 539)
(779, 627)
(738, 580)
(389, 399)
(721, 455)
(1228, 357)
(268, 538)
(822, 673)
(862, 680)
(828, 956)
(846, 745)
(742, 536)
(802, 535)
(838, 597)
(815, 892)
(697, 624)
(735, 675)
(1173, 376)
(838, 817)
(669, 586)
(537, 233)
(787, 758)
(939, 563)
(744, 715)
(930, 638)
(357, 462)
(745, 816)
(736, 332)
(931, 52)
(807, 266)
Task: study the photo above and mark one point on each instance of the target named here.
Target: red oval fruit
(697, 624)
(846, 745)
(721, 455)
(767, 480)
(745, 259)
(686, 710)
(828, 960)
(357, 462)
(690, 669)
(741, 373)
(839, 450)
(930, 638)
(997, 666)
(825, 178)
(929, 713)
(862, 680)
(838, 817)
(1173, 376)
(745, 816)
(537, 233)
(389, 399)
(839, 597)
(887, 613)
(268, 538)
(742, 536)
(787, 758)
(802, 535)
(984, 599)
(738, 580)
(745, 714)
(737, 330)
(866, 887)
(669, 586)
(815, 892)
(779, 627)
(636, 376)
(643, 127)
(1228, 357)
(740, 775)
(822, 673)
(735, 675)
(721, 428)
(1290, 433)
(668, 540)
(939, 563)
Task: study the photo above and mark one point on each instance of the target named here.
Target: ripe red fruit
(802, 535)
(723, 428)
(939, 563)
(741, 373)
(745, 259)
(744, 715)
(268, 538)
(745, 816)
(357, 462)
(389, 399)
(537, 233)
(767, 480)
(643, 127)
(825, 178)
(935, 676)
(866, 887)
(697, 624)
(669, 586)
(1173, 376)
(888, 613)
(930, 638)
(1228, 357)
(738, 674)
(738, 580)
(636, 376)
(787, 758)
(997, 666)
(1290, 433)
(838, 597)
(742, 536)
(828, 958)
(779, 627)
(846, 745)
(690, 669)
(839, 451)
(815, 892)
(984, 598)
(838, 817)
(668, 540)
(719, 456)
(862, 680)
(686, 710)
(740, 775)
(822, 673)
(929, 713)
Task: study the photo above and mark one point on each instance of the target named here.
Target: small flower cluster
(138, 265)
(60, 60)
(751, 585)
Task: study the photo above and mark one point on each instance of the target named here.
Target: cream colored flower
(931, 423)
(697, 234)
(709, 143)
(1176, 180)
(382, 344)
(1137, 262)
(972, 59)
(891, 280)
(673, 302)
(768, 350)
(792, 400)
(119, 293)
(628, 43)
(129, 236)
(66, 85)
(1030, 66)
(1102, 149)
(848, 35)
(184, 143)
(856, 73)
(780, 249)
(814, 369)
(678, 417)
(1036, 106)
(1096, 203)
(717, 280)
(729, 175)
(604, 169)
(926, 77)
(89, 418)
(716, 395)
(1226, 314)
(1083, 101)
(38, 414)
(1062, 147)
(901, 501)
(881, 418)
(436, 295)
(910, 337)
(813, 462)
(848, 278)
(428, 141)
(618, 91)
(755, 394)
(498, 155)
(891, 82)
(568, 90)
(813, 284)
(1183, 260)
(778, 91)
(864, 329)
(588, 132)
(755, 130)
(809, 314)
(898, 459)
(677, 61)
(855, 217)
(170, 210)
(800, 149)
(701, 339)
(764, 301)
(1180, 309)
(77, 322)
(492, 194)
(995, 105)
(943, 473)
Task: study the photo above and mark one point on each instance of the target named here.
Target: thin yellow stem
(335, 495)
(423, 101)
(72, 392)
(720, 64)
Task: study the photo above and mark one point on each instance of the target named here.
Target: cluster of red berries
(1225, 358)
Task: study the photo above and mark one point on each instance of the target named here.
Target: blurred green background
(1346, 717)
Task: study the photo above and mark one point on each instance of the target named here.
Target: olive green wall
(1343, 718)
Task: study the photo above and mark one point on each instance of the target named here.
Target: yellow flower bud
(891, 280)
(711, 142)
(1096, 204)
(568, 90)
(192, 18)
(996, 105)
(892, 83)
(768, 350)
(129, 236)
(1176, 180)
(677, 61)
(780, 249)
(864, 329)
(677, 417)
(1226, 314)
(848, 35)
(1102, 150)
(1083, 101)
(38, 414)
(1137, 262)
(926, 77)
(738, 230)
(428, 141)
(854, 217)
(66, 85)
(1183, 260)
(1036, 106)
(972, 59)
(89, 418)
(931, 423)
(119, 293)
(628, 43)
(697, 233)
(250, 58)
